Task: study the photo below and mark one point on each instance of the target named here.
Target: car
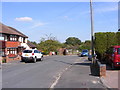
(84, 52)
(90, 57)
(112, 56)
(31, 55)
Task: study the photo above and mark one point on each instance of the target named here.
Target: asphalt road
(52, 72)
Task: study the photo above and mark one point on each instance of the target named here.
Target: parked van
(112, 56)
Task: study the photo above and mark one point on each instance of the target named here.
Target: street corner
(111, 79)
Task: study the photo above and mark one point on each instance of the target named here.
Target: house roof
(31, 45)
(10, 30)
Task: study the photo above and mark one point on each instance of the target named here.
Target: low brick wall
(102, 69)
(7, 59)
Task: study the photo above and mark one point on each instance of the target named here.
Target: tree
(33, 42)
(73, 42)
(85, 45)
(49, 45)
(105, 40)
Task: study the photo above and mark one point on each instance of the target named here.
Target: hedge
(104, 40)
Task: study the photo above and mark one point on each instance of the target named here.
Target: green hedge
(104, 40)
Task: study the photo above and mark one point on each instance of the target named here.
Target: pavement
(79, 76)
(111, 80)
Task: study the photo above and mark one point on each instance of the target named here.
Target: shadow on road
(64, 62)
(84, 64)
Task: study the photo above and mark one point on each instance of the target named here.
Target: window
(27, 51)
(36, 51)
(13, 38)
(85, 51)
(23, 40)
(12, 51)
(118, 50)
(2, 37)
(2, 52)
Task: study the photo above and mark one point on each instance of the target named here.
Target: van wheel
(35, 60)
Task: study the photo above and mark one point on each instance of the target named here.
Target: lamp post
(92, 31)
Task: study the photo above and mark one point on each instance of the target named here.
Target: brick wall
(12, 44)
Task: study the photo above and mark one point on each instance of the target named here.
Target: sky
(60, 19)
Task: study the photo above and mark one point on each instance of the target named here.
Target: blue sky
(61, 19)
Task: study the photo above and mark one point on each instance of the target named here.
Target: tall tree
(73, 41)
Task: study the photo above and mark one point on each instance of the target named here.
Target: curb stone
(103, 82)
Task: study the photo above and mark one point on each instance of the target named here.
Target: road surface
(52, 72)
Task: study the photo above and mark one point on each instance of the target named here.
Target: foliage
(72, 43)
(85, 45)
(49, 45)
(105, 40)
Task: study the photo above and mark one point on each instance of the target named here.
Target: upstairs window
(2, 37)
(13, 38)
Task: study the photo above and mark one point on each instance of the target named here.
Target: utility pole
(92, 31)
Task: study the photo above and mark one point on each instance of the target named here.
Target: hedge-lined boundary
(104, 40)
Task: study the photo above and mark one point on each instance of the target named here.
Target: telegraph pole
(92, 31)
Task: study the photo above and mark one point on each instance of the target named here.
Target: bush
(104, 40)
(3, 60)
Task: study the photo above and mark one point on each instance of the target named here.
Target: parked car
(84, 52)
(112, 56)
(31, 55)
(90, 57)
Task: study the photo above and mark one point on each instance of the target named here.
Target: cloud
(24, 19)
(39, 24)
(107, 9)
(67, 18)
(101, 10)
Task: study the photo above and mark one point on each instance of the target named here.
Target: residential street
(52, 72)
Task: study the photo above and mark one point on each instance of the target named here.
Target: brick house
(12, 43)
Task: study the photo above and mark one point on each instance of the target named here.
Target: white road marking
(60, 74)
(56, 81)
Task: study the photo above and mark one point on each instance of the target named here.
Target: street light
(92, 31)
